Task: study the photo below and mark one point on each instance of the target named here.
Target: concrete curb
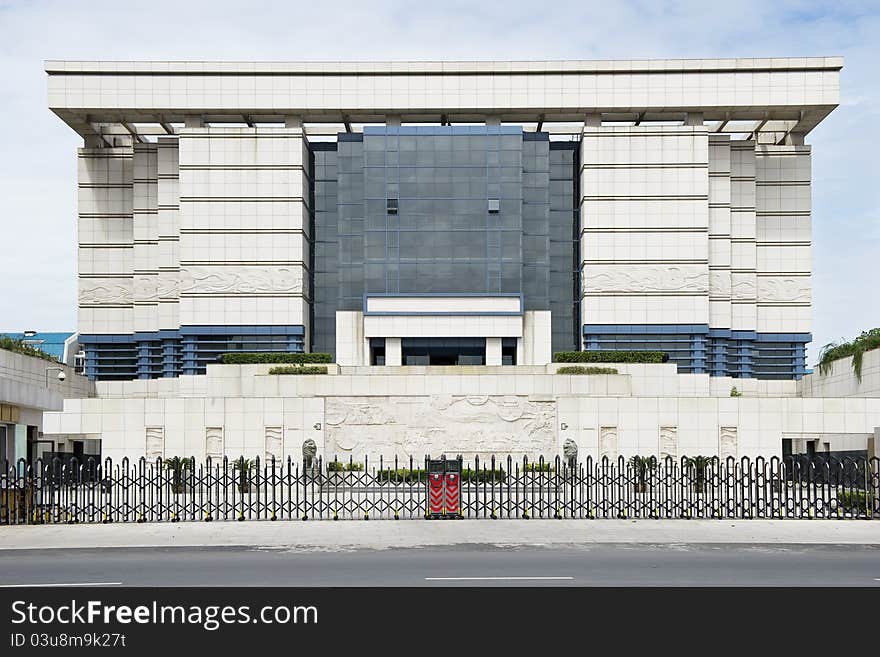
(414, 533)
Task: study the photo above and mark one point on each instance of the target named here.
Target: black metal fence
(57, 491)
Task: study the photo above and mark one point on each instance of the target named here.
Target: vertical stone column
(168, 232)
(783, 239)
(743, 253)
(645, 228)
(105, 240)
(493, 351)
(244, 230)
(393, 354)
(146, 259)
(105, 237)
(719, 253)
(145, 219)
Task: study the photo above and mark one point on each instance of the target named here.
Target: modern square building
(441, 229)
(413, 213)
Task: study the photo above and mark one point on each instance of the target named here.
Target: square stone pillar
(393, 354)
(493, 351)
(19, 445)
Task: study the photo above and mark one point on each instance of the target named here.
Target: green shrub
(735, 393)
(642, 464)
(179, 467)
(854, 499)
(299, 369)
(610, 357)
(178, 462)
(469, 475)
(481, 475)
(537, 467)
(581, 369)
(20, 347)
(274, 357)
(341, 466)
(401, 475)
(832, 351)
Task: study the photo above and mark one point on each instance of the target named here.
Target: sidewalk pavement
(359, 534)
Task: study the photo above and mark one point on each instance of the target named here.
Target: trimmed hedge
(484, 476)
(299, 369)
(274, 357)
(401, 476)
(580, 369)
(420, 475)
(610, 357)
(341, 466)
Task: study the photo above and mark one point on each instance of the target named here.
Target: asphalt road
(459, 565)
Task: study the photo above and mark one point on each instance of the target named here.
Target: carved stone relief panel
(727, 443)
(214, 443)
(240, 280)
(274, 444)
(155, 443)
(146, 288)
(795, 288)
(645, 278)
(669, 442)
(438, 424)
(719, 284)
(608, 443)
(105, 291)
(743, 287)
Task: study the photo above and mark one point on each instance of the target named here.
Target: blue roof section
(51, 343)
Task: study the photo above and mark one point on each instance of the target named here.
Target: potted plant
(640, 466)
(696, 467)
(244, 467)
(178, 466)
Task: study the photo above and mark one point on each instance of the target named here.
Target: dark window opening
(391, 205)
(508, 351)
(377, 351)
(443, 351)
(786, 447)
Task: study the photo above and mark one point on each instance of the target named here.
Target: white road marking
(24, 586)
(459, 579)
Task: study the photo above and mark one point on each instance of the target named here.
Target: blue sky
(38, 166)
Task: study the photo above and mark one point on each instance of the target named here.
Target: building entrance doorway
(443, 351)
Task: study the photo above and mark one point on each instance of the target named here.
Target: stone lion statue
(309, 450)
(570, 451)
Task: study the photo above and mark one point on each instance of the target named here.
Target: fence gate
(182, 489)
(444, 488)
(436, 474)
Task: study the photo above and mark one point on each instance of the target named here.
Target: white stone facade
(682, 226)
(403, 411)
(208, 228)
